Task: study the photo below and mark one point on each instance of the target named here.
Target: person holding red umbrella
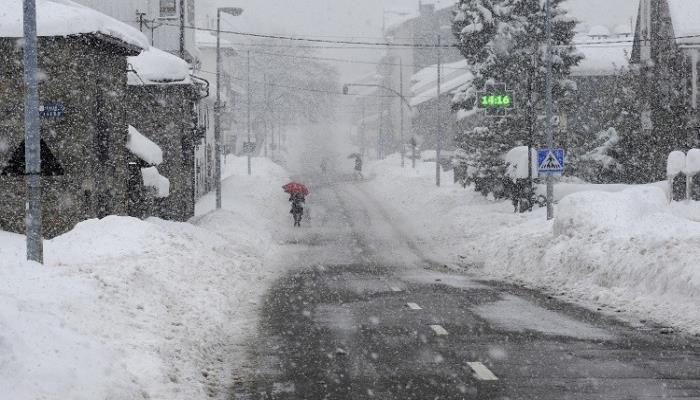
(297, 196)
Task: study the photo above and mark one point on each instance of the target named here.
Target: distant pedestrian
(358, 167)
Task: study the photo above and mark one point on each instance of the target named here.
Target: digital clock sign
(495, 100)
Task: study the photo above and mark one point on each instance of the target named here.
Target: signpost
(550, 161)
(52, 110)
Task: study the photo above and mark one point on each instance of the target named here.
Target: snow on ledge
(143, 147)
(155, 66)
(63, 18)
(153, 178)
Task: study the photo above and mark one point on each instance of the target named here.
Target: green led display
(495, 101)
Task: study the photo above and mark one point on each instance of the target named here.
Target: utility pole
(32, 138)
(267, 105)
(217, 113)
(438, 136)
(248, 150)
(217, 105)
(362, 130)
(379, 125)
(548, 111)
(182, 29)
(403, 145)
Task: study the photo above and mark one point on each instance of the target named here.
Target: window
(168, 9)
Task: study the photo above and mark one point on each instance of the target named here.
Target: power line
(319, 90)
(391, 44)
(313, 40)
(346, 60)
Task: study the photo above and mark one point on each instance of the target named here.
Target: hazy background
(362, 20)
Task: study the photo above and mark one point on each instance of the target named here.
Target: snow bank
(155, 66)
(621, 248)
(152, 178)
(143, 147)
(516, 160)
(675, 163)
(127, 309)
(63, 18)
(692, 162)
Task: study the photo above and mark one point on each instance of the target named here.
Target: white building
(159, 20)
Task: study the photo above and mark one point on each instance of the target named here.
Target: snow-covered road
(366, 312)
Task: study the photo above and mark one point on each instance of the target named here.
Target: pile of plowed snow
(621, 248)
(132, 309)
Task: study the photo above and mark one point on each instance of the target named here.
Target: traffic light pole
(438, 136)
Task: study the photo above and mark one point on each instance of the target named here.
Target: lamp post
(400, 95)
(217, 106)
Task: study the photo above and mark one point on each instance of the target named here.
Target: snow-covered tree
(603, 128)
(504, 41)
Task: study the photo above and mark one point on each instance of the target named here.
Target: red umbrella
(295, 188)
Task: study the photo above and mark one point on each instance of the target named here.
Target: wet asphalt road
(366, 316)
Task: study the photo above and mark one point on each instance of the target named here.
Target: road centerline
(413, 306)
(481, 372)
(439, 330)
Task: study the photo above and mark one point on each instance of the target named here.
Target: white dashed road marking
(413, 306)
(481, 372)
(439, 330)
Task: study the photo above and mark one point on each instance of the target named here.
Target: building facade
(83, 129)
(159, 20)
(163, 108)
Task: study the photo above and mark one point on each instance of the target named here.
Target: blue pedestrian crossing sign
(550, 161)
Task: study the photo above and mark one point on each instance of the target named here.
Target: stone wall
(87, 75)
(165, 114)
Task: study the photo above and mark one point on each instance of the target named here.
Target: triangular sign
(49, 164)
(550, 162)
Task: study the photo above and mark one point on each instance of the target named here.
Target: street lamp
(235, 11)
(346, 89)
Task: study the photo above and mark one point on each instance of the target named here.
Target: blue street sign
(52, 110)
(550, 161)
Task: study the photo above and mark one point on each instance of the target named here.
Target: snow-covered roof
(207, 39)
(454, 75)
(155, 66)
(599, 30)
(143, 147)
(685, 15)
(623, 29)
(152, 178)
(602, 58)
(606, 13)
(64, 18)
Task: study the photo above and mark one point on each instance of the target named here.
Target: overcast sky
(362, 19)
